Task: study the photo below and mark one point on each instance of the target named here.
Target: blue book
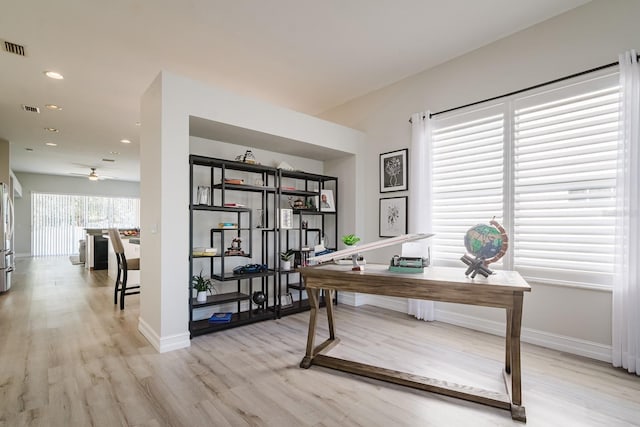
(220, 318)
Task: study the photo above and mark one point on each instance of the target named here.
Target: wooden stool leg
(117, 285)
(123, 289)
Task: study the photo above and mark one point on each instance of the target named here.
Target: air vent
(30, 109)
(108, 160)
(14, 48)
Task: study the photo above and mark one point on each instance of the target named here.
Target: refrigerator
(6, 238)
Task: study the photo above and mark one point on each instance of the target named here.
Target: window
(544, 164)
(58, 220)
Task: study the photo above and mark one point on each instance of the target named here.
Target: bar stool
(124, 266)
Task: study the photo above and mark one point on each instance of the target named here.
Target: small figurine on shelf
(311, 203)
(296, 204)
(248, 157)
(235, 248)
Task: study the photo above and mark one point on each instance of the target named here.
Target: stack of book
(234, 181)
(227, 225)
(233, 205)
(220, 318)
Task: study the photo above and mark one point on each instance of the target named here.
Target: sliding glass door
(58, 221)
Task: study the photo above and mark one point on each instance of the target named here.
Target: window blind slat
(561, 180)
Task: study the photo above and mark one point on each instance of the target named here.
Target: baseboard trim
(352, 299)
(390, 303)
(562, 343)
(164, 344)
(579, 347)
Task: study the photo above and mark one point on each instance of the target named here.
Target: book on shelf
(288, 188)
(233, 205)
(234, 181)
(220, 318)
(286, 218)
(227, 225)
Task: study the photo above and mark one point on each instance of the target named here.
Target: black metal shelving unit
(233, 291)
(258, 227)
(307, 187)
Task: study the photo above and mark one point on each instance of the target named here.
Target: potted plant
(350, 239)
(202, 285)
(285, 259)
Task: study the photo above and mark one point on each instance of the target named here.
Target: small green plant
(287, 255)
(201, 284)
(350, 239)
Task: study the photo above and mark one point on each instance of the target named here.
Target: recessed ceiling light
(53, 107)
(51, 144)
(29, 149)
(114, 152)
(54, 75)
(137, 123)
(54, 130)
(125, 141)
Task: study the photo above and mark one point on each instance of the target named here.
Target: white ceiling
(305, 55)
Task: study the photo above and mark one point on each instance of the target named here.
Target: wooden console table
(504, 289)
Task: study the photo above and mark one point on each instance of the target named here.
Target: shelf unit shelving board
(201, 327)
(232, 277)
(225, 298)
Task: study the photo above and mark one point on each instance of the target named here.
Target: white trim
(390, 303)
(563, 343)
(590, 349)
(351, 298)
(163, 344)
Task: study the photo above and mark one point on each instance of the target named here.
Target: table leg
(313, 295)
(329, 303)
(507, 342)
(516, 324)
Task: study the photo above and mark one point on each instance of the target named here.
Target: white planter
(285, 265)
(202, 296)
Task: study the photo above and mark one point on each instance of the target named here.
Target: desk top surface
(445, 276)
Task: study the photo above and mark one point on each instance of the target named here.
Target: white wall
(164, 151)
(57, 184)
(5, 164)
(568, 318)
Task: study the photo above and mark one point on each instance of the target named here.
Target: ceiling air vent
(108, 160)
(14, 48)
(30, 109)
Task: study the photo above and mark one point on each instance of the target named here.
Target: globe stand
(476, 265)
(259, 298)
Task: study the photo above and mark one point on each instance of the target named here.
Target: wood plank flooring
(69, 357)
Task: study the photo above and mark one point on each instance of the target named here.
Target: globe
(259, 297)
(484, 241)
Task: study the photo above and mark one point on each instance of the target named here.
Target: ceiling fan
(93, 175)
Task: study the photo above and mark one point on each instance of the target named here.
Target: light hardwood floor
(69, 357)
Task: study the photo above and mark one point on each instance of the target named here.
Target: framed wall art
(393, 216)
(326, 201)
(394, 170)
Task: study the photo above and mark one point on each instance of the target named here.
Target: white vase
(285, 265)
(202, 296)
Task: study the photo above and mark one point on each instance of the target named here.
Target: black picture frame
(394, 171)
(392, 216)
